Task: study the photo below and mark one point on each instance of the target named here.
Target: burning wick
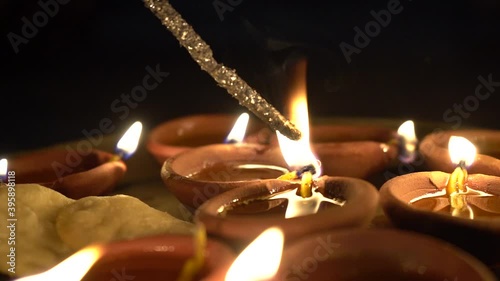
(305, 174)
(3, 170)
(304, 200)
(239, 129)
(194, 264)
(298, 154)
(462, 152)
(73, 268)
(127, 145)
(407, 142)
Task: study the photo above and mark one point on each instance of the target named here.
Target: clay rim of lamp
(68, 172)
(361, 203)
(176, 170)
(158, 257)
(350, 251)
(166, 139)
(434, 148)
(477, 236)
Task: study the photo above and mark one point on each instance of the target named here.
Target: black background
(66, 77)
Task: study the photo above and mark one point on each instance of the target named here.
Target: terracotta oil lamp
(368, 153)
(196, 175)
(239, 215)
(185, 133)
(434, 149)
(79, 172)
(387, 255)
(150, 258)
(460, 208)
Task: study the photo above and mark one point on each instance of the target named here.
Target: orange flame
(298, 153)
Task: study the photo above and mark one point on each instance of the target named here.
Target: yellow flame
(461, 150)
(239, 129)
(260, 260)
(128, 143)
(407, 131)
(298, 153)
(3, 168)
(73, 268)
(407, 142)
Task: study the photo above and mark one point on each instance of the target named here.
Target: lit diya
(199, 174)
(299, 202)
(434, 149)
(79, 172)
(373, 149)
(185, 133)
(461, 208)
(151, 258)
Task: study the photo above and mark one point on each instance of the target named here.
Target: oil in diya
(458, 199)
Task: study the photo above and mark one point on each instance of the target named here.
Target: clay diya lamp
(241, 214)
(151, 258)
(434, 149)
(79, 172)
(459, 208)
(387, 255)
(181, 134)
(363, 152)
(196, 175)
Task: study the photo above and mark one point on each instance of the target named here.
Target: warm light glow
(128, 143)
(239, 129)
(3, 169)
(461, 149)
(260, 260)
(298, 206)
(73, 268)
(298, 153)
(408, 142)
(407, 131)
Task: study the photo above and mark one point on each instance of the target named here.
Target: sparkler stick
(225, 77)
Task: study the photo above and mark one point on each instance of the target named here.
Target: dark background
(66, 77)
